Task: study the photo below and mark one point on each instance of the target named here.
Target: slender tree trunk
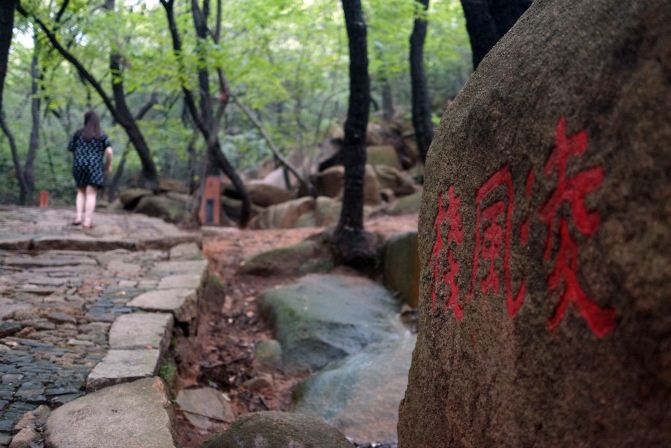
(7, 8)
(387, 101)
(488, 20)
(35, 106)
(421, 106)
(125, 117)
(206, 120)
(113, 187)
(349, 236)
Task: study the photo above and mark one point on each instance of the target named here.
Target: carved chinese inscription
(493, 238)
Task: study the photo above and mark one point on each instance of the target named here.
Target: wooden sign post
(210, 206)
(44, 199)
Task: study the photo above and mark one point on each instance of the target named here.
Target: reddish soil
(221, 355)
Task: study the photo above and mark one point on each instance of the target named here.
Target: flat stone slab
(179, 267)
(186, 281)
(48, 229)
(141, 330)
(167, 300)
(121, 366)
(186, 251)
(131, 415)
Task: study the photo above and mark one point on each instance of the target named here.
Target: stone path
(49, 229)
(57, 306)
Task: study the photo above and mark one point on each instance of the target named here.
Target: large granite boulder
(168, 208)
(285, 215)
(299, 259)
(130, 197)
(383, 155)
(544, 239)
(330, 182)
(279, 430)
(360, 394)
(394, 179)
(322, 318)
(265, 195)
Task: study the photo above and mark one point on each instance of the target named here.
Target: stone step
(178, 267)
(130, 415)
(122, 366)
(181, 302)
(141, 331)
(191, 281)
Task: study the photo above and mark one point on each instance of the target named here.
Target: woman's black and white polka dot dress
(88, 167)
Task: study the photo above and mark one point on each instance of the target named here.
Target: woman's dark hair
(91, 127)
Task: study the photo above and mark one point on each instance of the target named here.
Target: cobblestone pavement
(56, 308)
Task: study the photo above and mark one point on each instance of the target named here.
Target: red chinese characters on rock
(455, 234)
(494, 203)
(493, 224)
(572, 190)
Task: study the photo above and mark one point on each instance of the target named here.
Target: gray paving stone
(181, 302)
(179, 267)
(189, 281)
(121, 366)
(141, 330)
(131, 415)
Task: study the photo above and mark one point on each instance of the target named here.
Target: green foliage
(287, 60)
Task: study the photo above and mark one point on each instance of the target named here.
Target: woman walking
(91, 159)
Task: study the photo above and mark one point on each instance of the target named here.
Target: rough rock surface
(265, 195)
(131, 415)
(384, 155)
(401, 267)
(302, 258)
(164, 207)
(285, 215)
(395, 180)
(322, 318)
(565, 339)
(360, 394)
(279, 430)
(204, 403)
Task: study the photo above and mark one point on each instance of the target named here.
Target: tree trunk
(113, 187)
(488, 20)
(125, 118)
(387, 101)
(6, 30)
(35, 106)
(421, 106)
(349, 237)
(206, 120)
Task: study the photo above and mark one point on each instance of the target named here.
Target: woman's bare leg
(81, 199)
(90, 206)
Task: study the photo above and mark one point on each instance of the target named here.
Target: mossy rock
(279, 430)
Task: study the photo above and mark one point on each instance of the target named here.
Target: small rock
(206, 402)
(9, 328)
(61, 318)
(25, 438)
(279, 430)
(259, 383)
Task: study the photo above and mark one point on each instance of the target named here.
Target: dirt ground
(221, 355)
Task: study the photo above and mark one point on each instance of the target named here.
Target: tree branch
(72, 60)
(276, 153)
